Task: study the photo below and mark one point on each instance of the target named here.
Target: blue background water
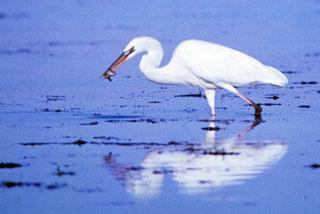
(52, 55)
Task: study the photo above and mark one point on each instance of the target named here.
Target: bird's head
(134, 47)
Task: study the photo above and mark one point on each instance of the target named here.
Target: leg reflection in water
(200, 167)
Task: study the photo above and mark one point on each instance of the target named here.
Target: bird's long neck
(150, 62)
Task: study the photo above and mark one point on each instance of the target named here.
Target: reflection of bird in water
(200, 168)
(202, 64)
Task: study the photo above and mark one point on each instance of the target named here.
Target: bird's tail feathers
(276, 77)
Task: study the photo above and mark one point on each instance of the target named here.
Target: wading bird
(202, 64)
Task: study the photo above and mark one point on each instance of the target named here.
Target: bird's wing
(215, 63)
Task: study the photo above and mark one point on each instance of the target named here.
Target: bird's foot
(256, 122)
(258, 110)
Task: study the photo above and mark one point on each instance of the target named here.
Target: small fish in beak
(111, 71)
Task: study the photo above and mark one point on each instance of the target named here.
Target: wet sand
(73, 143)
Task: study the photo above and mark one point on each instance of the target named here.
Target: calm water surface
(72, 143)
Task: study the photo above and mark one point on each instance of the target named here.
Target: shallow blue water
(146, 148)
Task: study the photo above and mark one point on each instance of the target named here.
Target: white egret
(203, 64)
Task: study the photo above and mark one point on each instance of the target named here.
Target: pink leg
(232, 89)
(257, 107)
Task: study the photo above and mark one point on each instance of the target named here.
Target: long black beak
(111, 71)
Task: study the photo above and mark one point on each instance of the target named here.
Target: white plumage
(202, 64)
